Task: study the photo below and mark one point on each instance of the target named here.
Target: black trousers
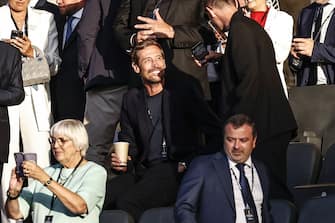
(273, 153)
(152, 187)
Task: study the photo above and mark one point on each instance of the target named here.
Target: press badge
(249, 215)
(48, 219)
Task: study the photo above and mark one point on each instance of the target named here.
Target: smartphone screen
(199, 51)
(16, 33)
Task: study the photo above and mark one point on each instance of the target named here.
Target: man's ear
(136, 68)
(210, 12)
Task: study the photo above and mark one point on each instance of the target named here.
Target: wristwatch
(10, 197)
(48, 182)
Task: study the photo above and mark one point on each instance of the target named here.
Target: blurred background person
(105, 67)
(176, 24)
(314, 47)
(279, 26)
(67, 88)
(71, 191)
(30, 121)
(11, 93)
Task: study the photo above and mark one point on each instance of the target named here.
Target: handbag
(35, 70)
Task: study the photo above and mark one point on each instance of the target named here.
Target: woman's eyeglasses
(60, 140)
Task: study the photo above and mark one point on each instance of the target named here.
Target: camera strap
(25, 23)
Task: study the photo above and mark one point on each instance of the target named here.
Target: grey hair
(73, 129)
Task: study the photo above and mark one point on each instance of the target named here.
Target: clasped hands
(153, 28)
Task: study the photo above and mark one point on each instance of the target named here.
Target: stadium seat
(115, 216)
(158, 215)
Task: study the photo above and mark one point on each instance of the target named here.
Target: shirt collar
(233, 164)
(78, 13)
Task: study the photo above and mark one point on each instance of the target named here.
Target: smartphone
(16, 33)
(19, 158)
(199, 51)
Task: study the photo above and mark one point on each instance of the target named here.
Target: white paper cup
(121, 150)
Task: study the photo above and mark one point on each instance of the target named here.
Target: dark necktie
(317, 23)
(313, 76)
(69, 28)
(246, 192)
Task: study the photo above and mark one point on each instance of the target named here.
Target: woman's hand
(15, 183)
(32, 170)
(23, 45)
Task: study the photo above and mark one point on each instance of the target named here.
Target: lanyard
(25, 23)
(314, 21)
(70, 176)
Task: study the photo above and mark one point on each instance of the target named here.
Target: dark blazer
(67, 89)
(206, 192)
(185, 16)
(185, 116)
(101, 60)
(11, 91)
(250, 80)
(323, 53)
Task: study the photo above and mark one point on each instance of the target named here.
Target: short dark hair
(239, 120)
(219, 3)
(142, 45)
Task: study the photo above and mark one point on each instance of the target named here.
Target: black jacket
(11, 91)
(185, 116)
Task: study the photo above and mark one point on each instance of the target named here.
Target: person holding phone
(32, 118)
(71, 191)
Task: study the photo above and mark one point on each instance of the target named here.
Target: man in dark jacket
(11, 93)
(251, 85)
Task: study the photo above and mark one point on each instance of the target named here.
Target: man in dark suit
(67, 89)
(251, 85)
(106, 70)
(212, 189)
(162, 123)
(11, 93)
(176, 25)
(315, 45)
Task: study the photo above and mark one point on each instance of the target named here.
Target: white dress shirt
(255, 187)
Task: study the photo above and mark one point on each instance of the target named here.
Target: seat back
(158, 215)
(115, 216)
(327, 174)
(283, 211)
(318, 210)
(303, 164)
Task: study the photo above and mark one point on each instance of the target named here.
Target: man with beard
(163, 123)
(67, 89)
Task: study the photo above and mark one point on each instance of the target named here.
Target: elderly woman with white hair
(71, 191)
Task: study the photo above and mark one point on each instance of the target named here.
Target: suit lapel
(223, 171)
